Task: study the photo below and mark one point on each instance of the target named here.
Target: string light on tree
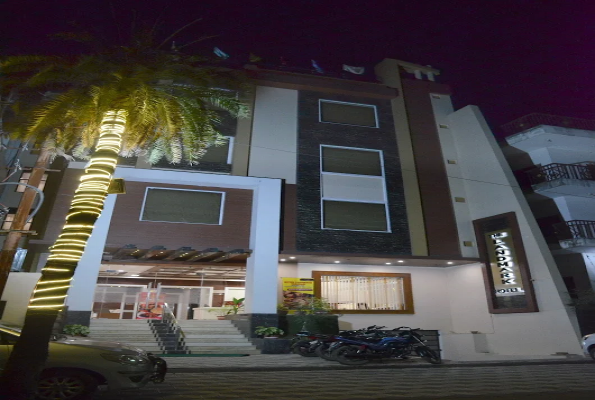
(89, 198)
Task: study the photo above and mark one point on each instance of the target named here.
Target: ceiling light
(450, 262)
(283, 259)
(401, 261)
(292, 258)
(388, 263)
(135, 275)
(337, 262)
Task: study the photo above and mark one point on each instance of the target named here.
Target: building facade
(553, 160)
(402, 210)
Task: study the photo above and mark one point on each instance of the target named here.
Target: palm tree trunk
(29, 354)
(11, 243)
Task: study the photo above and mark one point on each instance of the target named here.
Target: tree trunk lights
(30, 352)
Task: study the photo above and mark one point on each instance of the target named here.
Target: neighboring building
(383, 193)
(554, 160)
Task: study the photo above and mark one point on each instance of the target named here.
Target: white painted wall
(576, 207)
(262, 265)
(491, 190)
(273, 148)
(442, 107)
(541, 156)
(17, 293)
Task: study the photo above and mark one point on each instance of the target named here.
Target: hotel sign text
(503, 264)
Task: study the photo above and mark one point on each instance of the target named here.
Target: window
(183, 206)
(353, 189)
(9, 218)
(219, 154)
(25, 176)
(336, 112)
(354, 216)
(365, 293)
(351, 161)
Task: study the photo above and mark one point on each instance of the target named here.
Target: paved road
(523, 382)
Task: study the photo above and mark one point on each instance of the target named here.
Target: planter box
(315, 323)
(273, 345)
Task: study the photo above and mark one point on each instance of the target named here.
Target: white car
(77, 366)
(589, 345)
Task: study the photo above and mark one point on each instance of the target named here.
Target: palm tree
(118, 101)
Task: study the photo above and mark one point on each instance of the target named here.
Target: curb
(338, 367)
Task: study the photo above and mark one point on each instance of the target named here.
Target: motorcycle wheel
(303, 349)
(431, 356)
(345, 356)
(322, 352)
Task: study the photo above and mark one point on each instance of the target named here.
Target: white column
(80, 295)
(262, 266)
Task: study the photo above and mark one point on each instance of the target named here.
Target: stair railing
(169, 317)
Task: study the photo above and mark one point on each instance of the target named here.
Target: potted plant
(76, 330)
(233, 308)
(268, 332)
(313, 315)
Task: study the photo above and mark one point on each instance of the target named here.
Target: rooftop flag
(354, 70)
(220, 53)
(317, 68)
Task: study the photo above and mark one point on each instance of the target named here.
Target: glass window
(25, 176)
(361, 292)
(351, 161)
(183, 206)
(348, 113)
(9, 218)
(354, 216)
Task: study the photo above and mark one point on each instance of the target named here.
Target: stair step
(221, 340)
(202, 336)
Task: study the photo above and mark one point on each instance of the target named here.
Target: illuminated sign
(503, 264)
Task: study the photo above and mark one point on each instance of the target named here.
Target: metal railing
(551, 172)
(169, 317)
(532, 120)
(576, 229)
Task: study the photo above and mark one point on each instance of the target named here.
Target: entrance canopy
(183, 263)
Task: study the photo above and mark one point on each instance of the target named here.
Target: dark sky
(509, 57)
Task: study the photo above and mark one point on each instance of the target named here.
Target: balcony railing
(532, 120)
(552, 172)
(577, 229)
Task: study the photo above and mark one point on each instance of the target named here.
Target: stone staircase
(134, 332)
(199, 336)
(215, 337)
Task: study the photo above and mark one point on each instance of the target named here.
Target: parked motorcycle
(405, 342)
(308, 344)
(302, 344)
(325, 348)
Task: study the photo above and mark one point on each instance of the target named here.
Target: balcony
(532, 120)
(555, 180)
(537, 131)
(577, 236)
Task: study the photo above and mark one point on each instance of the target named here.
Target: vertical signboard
(507, 275)
(504, 266)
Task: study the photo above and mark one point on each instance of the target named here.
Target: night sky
(510, 58)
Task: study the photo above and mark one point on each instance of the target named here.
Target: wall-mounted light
(450, 263)
(388, 263)
(401, 261)
(292, 258)
(283, 259)
(337, 262)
